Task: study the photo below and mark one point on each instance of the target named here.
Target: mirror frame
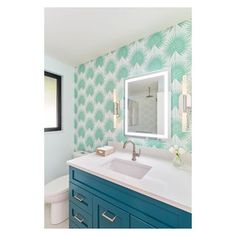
(167, 105)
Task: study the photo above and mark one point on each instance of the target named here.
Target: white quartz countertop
(163, 181)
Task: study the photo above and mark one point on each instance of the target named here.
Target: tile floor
(47, 224)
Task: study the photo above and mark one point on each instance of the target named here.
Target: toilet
(56, 193)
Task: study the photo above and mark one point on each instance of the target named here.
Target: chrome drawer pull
(107, 217)
(80, 220)
(78, 198)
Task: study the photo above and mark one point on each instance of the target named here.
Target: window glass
(52, 103)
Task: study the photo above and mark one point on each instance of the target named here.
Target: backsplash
(95, 80)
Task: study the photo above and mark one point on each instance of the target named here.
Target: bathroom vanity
(116, 192)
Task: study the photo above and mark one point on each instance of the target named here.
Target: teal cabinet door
(107, 215)
(137, 223)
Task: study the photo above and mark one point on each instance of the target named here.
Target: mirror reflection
(147, 105)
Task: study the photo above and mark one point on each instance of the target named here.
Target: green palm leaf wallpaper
(95, 80)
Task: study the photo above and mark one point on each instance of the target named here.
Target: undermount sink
(132, 169)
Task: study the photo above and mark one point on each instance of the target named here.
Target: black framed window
(52, 102)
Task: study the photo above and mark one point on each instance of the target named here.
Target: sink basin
(130, 168)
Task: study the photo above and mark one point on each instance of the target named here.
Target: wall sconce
(116, 109)
(185, 104)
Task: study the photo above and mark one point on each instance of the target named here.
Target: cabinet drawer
(81, 198)
(137, 223)
(80, 217)
(107, 215)
(73, 225)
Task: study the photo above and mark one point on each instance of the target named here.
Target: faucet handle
(139, 152)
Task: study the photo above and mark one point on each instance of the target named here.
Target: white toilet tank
(80, 154)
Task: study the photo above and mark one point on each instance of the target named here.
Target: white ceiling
(77, 35)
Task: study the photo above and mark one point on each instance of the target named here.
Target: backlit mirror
(147, 105)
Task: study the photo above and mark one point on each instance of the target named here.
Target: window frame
(59, 102)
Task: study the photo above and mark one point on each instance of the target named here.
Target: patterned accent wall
(95, 80)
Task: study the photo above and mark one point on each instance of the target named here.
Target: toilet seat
(57, 190)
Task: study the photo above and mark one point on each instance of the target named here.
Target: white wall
(58, 145)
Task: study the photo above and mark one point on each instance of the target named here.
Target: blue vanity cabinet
(99, 203)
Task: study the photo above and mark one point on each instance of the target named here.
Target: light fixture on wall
(185, 104)
(116, 109)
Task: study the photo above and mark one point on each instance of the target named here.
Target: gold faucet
(134, 154)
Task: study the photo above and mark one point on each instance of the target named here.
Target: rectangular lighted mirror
(148, 105)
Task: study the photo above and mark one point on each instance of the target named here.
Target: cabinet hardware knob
(107, 217)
